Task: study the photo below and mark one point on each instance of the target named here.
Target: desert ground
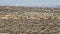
(29, 20)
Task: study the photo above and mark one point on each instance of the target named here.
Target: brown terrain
(29, 20)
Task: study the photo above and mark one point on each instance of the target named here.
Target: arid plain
(29, 20)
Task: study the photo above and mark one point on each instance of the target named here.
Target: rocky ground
(29, 20)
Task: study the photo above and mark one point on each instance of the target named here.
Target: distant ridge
(42, 6)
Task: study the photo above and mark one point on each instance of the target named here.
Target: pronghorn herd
(31, 16)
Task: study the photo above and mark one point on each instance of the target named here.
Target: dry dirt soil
(29, 20)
